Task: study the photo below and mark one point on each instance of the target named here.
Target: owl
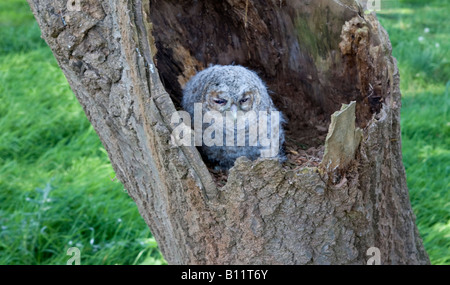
(233, 100)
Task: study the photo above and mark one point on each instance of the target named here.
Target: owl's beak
(234, 110)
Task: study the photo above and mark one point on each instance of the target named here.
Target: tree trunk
(127, 62)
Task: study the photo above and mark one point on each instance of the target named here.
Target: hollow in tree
(328, 64)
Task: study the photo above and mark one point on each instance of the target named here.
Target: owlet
(237, 113)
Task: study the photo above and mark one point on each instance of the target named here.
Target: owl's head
(233, 88)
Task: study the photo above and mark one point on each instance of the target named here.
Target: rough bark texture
(314, 55)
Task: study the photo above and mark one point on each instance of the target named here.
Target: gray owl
(233, 92)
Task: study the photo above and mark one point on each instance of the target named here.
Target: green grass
(56, 182)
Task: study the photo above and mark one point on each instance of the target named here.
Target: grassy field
(56, 182)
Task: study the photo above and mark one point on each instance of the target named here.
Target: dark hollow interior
(280, 42)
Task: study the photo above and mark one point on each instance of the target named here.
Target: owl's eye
(220, 101)
(244, 100)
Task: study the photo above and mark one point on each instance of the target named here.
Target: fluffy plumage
(230, 88)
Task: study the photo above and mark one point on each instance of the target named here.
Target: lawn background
(57, 187)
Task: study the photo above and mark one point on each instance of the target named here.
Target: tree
(127, 61)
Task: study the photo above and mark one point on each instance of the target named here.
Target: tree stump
(343, 188)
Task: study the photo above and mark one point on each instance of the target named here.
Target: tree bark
(127, 61)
